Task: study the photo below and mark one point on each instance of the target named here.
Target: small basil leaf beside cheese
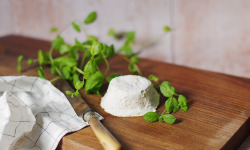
(151, 116)
(168, 118)
(167, 89)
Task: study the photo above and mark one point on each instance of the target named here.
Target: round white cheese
(130, 95)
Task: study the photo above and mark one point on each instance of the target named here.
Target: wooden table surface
(218, 117)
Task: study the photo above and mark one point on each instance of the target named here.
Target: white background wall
(211, 35)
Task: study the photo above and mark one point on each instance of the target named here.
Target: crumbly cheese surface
(130, 95)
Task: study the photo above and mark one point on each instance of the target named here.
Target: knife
(82, 109)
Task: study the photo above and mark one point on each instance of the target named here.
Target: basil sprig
(172, 104)
(79, 63)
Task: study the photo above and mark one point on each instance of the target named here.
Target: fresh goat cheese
(130, 95)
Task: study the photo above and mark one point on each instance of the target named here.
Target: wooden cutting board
(218, 117)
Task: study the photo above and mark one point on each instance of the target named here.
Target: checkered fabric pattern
(34, 114)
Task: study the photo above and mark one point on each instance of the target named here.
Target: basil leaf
(68, 92)
(111, 32)
(167, 89)
(66, 72)
(182, 100)
(128, 50)
(151, 116)
(156, 86)
(77, 93)
(166, 29)
(43, 57)
(52, 30)
(19, 58)
(104, 47)
(175, 105)
(19, 65)
(114, 34)
(57, 42)
(112, 76)
(134, 59)
(74, 54)
(132, 68)
(79, 45)
(65, 60)
(75, 78)
(64, 49)
(169, 105)
(130, 38)
(153, 78)
(40, 72)
(90, 68)
(184, 108)
(76, 27)
(92, 38)
(94, 82)
(168, 118)
(30, 61)
(98, 59)
(90, 18)
(53, 69)
(79, 84)
(128, 43)
(110, 51)
(87, 54)
(96, 48)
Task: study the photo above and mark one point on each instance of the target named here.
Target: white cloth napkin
(34, 114)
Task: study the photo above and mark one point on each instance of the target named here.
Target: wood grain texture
(218, 117)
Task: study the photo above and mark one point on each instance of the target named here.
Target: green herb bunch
(172, 105)
(78, 63)
(71, 65)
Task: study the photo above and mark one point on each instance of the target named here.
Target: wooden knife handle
(107, 140)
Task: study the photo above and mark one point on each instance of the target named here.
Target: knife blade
(108, 141)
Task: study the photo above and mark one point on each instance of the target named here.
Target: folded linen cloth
(34, 114)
